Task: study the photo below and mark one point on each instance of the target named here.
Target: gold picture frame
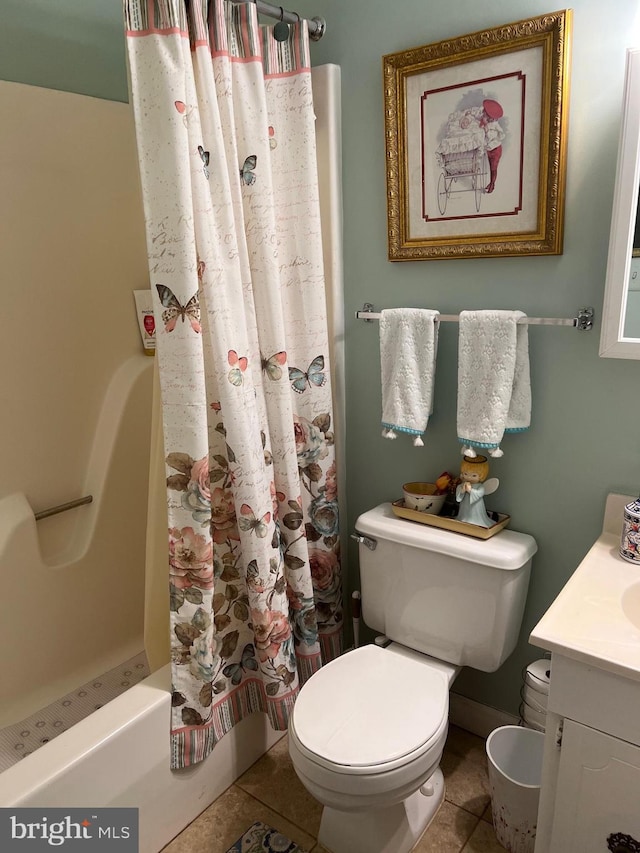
(475, 133)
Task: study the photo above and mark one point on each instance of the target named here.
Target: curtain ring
(281, 29)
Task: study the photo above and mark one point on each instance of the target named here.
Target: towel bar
(54, 510)
(583, 322)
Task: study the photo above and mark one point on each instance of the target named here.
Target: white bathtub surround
(76, 291)
(88, 602)
(119, 756)
(243, 346)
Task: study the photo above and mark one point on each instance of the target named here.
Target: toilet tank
(450, 596)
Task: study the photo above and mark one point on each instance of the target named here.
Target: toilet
(367, 731)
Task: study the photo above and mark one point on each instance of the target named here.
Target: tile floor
(271, 792)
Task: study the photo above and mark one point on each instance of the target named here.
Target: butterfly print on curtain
(175, 310)
(204, 156)
(238, 367)
(247, 175)
(315, 375)
(273, 365)
(248, 521)
(187, 111)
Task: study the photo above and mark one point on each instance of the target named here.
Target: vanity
(590, 794)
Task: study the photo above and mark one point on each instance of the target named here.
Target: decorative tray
(452, 524)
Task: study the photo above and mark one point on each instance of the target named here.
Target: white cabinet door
(598, 797)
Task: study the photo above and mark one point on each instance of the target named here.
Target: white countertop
(590, 620)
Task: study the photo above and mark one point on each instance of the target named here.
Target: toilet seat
(370, 712)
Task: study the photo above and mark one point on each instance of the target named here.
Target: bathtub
(119, 756)
(89, 602)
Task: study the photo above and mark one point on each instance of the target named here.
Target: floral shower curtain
(225, 129)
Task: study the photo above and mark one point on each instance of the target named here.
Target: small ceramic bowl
(422, 496)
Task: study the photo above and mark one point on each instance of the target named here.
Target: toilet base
(395, 829)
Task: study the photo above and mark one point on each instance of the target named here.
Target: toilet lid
(370, 707)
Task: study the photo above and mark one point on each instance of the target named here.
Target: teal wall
(583, 440)
(72, 45)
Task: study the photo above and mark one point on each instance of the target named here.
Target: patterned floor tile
(483, 840)
(448, 832)
(271, 792)
(466, 783)
(273, 781)
(463, 744)
(219, 826)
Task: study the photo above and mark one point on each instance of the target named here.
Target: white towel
(408, 348)
(494, 386)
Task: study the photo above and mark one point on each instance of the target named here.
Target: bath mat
(261, 838)
(20, 739)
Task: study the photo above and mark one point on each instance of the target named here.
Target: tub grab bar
(54, 510)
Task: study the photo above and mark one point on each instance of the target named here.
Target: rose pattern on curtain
(226, 145)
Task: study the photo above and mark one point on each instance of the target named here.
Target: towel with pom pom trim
(494, 386)
(408, 349)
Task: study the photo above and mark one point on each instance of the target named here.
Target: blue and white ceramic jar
(630, 544)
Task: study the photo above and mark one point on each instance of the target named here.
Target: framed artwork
(475, 131)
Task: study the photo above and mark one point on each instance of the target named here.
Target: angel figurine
(472, 489)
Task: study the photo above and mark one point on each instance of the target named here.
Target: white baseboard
(476, 718)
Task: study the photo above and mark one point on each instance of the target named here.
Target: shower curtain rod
(583, 322)
(316, 25)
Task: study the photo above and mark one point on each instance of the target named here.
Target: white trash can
(515, 773)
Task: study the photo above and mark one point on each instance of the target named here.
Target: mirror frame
(613, 344)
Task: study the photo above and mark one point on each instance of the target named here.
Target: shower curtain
(225, 129)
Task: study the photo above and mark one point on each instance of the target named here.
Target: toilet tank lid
(506, 550)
